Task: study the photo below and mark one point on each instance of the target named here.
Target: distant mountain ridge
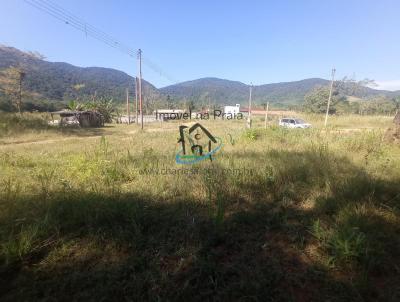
(231, 92)
(62, 81)
(58, 81)
(226, 91)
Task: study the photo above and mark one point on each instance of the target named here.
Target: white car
(294, 123)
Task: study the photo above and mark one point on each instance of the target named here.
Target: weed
(348, 244)
(89, 218)
(46, 181)
(251, 134)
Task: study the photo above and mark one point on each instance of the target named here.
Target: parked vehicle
(293, 123)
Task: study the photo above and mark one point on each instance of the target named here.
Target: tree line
(15, 98)
(344, 102)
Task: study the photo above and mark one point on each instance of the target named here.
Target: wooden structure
(85, 119)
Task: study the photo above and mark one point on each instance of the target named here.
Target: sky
(255, 42)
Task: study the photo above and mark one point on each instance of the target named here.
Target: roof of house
(74, 112)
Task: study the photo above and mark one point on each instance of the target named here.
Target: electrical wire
(69, 18)
(79, 26)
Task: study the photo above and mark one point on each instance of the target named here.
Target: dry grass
(88, 214)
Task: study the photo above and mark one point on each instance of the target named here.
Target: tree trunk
(397, 118)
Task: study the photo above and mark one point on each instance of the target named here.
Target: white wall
(232, 109)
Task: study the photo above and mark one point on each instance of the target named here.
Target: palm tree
(103, 106)
(75, 106)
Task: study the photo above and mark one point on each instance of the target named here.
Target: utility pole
(136, 101)
(266, 116)
(140, 87)
(330, 96)
(21, 77)
(94, 96)
(249, 109)
(128, 112)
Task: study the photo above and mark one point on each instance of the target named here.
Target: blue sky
(248, 41)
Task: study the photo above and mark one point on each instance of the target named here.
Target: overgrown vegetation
(343, 99)
(12, 124)
(308, 215)
(46, 85)
(104, 106)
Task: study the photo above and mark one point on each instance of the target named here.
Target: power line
(70, 15)
(86, 26)
(80, 25)
(157, 69)
(69, 18)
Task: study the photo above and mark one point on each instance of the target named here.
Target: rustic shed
(87, 118)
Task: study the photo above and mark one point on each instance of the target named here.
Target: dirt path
(351, 130)
(46, 141)
(29, 142)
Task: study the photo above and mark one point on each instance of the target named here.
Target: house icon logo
(197, 144)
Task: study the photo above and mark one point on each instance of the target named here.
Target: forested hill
(55, 81)
(225, 91)
(58, 81)
(229, 92)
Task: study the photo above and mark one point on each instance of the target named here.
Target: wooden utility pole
(140, 87)
(128, 112)
(330, 96)
(266, 116)
(136, 101)
(94, 96)
(249, 109)
(21, 77)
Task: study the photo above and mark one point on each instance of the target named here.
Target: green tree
(378, 105)
(396, 100)
(104, 106)
(11, 82)
(316, 100)
(349, 86)
(75, 106)
(191, 105)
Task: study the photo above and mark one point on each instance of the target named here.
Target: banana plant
(75, 106)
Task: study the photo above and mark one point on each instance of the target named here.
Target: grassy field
(279, 215)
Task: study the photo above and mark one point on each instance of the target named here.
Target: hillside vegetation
(57, 81)
(53, 82)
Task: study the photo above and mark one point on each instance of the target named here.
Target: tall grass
(13, 124)
(318, 211)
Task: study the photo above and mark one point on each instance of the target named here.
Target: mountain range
(237, 92)
(59, 81)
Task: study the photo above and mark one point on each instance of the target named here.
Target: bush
(14, 123)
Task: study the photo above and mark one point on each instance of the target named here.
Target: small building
(87, 118)
(233, 110)
(124, 119)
